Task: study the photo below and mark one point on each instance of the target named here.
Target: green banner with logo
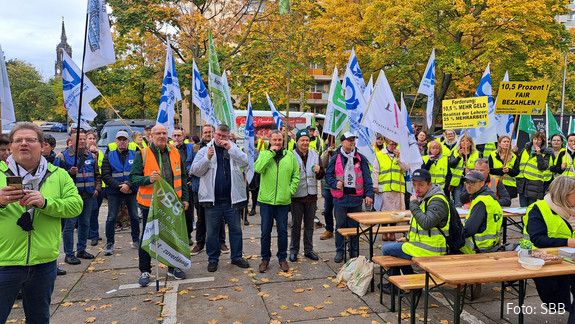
(165, 237)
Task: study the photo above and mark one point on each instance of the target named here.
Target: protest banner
(522, 97)
(465, 113)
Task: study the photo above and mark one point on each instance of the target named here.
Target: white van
(264, 122)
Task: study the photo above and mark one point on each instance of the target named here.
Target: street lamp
(571, 49)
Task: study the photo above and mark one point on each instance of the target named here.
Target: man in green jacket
(279, 181)
(34, 196)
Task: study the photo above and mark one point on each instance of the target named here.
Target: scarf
(565, 213)
(348, 170)
(29, 180)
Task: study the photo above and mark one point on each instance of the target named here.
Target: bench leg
(412, 306)
(399, 297)
(502, 297)
(522, 287)
(426, 297)
(392, 297)
(345, 249)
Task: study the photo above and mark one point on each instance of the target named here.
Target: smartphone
(14, 181)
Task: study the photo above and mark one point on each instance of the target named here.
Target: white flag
(201, 98)
(408, 148)
(427, 87)
(8, 115)
(382, 114)
(71, 85)
(486, 134)
(249, 146)
(99, 46)
(170, 92)
(504, 122)
(275, 114)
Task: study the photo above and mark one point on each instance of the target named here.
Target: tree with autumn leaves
(261, 48)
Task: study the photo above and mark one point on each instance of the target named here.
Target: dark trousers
(215, 217)
(36, 283)
(94, 232)
(302, 211)
(83, 221)
(144, 259)
(328, 210)
(201, 224)
(115, 202)
(269, 213)
(342, 221)
(254, 197)
(189, 213)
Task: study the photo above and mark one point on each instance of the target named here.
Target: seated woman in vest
(562, 162)
(430, 218)
(547, 225)
(483, 223)
(534, 162)
(389, 180)
(504, 164)
(438, 165)
(461, 162)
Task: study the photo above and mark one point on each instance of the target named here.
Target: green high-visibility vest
(457, 172)
(490, 237)
(498, 164)
(390, 176)
(422, 243)
(438, 170)
(556, 225)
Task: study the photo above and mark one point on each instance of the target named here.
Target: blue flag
(427, 87)
(201, 98)
(170, 92)
(275, 114)
(71, 79)
(487, 134)
(249, 146)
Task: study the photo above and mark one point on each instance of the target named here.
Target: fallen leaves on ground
(298, 290)
(275, 321)
(264, 280)
(90, 319)
(433, 306)
(147, 300)
(159, 303)
(212, 321)
(309, 308)
(297, 304)
(405, 316)
(15, 306)
(234, 280)
(90, 309)
(238, 289)
(443, 322)
(219, 297)
(328, 302)
(105, 306)
(133, 309)
(341, 285)
(183, 292)
(283, 307)
(362, 311)
(325, 286)
(263, 294)
(67, 304)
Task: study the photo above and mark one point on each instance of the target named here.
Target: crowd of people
(45, 196)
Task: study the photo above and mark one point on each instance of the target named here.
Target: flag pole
(116, 112)
(79, 118)
(413, 104)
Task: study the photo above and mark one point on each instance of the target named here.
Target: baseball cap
(300, 133)
(123, 134)
(474, 176)
(347, 135)
(421, 175)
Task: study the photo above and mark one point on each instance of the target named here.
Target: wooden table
(463, 270)
(371, 219)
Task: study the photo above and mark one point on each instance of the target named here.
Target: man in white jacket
(219, 166)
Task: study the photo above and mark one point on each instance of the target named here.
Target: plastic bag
(360, 280)
(348, 269)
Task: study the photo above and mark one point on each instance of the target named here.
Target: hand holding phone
(12, 192)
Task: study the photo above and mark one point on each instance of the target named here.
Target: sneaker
(135, 245)
(263, 266)
(212, 266)
(144, 280)
(60, 272)
(241, 262)
(72, 260)
(84, 255)
(252, 212)
(224, 248)
(284, 266)
(196, 249)
(311, 255)
(338, 257)
(326, 235)
(176, 273)
(109, 249)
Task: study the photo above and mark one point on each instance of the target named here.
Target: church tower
(59, 57)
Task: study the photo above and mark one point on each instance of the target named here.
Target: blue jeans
(94, 232)
(215, 218)
(395, 249)
(36, 283)
(114, 203)
(328, 210)
(269, 213)
(342, 221)
(83, 221)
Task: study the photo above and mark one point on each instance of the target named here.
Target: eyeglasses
(29, 140)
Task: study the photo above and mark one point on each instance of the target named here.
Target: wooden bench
(412, 284)
(386, 263)
(348, 232)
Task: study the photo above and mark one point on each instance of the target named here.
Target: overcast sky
(30, 30)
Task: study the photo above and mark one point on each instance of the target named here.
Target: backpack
(455, 240)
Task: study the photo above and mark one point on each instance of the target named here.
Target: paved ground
(105, 291)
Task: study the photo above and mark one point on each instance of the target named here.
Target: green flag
(551, 125)
(313, 123)
(165, 236)
(336, 120)
(284, 6)
(219, 89)
(571, 126)
(526, 124)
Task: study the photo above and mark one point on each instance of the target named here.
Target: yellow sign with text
(465, 113)
(522, 97)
